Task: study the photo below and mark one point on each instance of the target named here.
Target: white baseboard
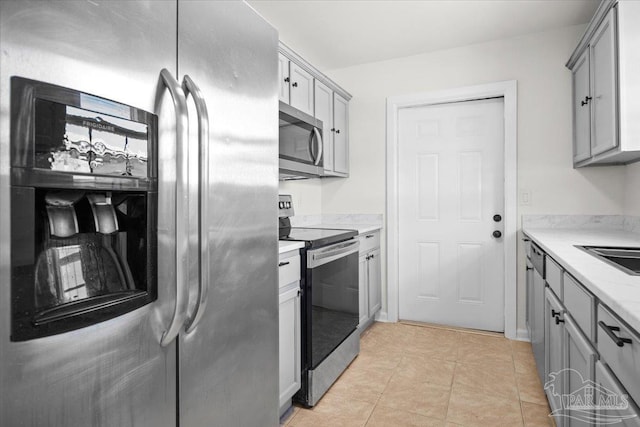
(522, 335)
(381, 316)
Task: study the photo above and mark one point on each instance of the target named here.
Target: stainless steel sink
(625, 259)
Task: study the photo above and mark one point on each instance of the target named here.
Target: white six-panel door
(451, 172)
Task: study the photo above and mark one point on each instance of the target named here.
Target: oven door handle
(322, 256)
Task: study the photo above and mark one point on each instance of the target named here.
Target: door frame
(507, 90)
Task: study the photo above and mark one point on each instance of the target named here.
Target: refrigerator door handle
(190, 88)
(182, 204)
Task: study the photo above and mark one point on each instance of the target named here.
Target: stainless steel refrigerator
(138, 228)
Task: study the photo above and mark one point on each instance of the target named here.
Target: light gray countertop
(360, 228)
(614, 288)
(287, 246)
(362, 223)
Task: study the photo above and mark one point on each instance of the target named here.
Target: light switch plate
(525, 197)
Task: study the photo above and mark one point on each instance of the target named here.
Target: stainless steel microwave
(300, 144)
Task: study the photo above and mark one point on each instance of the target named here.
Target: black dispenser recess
(83, 209)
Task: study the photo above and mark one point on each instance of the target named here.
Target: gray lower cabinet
(554, 350)
(580, 358)
(370, 278)
(289, 332)
(537, 335)
(605, 378)
(374, 272)
(610, 392)
(529, 291)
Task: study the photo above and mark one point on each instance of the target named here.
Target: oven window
(334, 305)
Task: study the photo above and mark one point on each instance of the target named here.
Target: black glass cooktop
(317, 237)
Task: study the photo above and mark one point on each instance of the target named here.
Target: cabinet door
(529, 290)
(581, 109)
(604, 103)
(537, 314)
(554, 331)
(363, 290)
(554, 344)
(375, 282)
(580, 361)
(323, 100)
(608, 388)
(341, 134)
(283, 74)
(301, 88)
(289, 343)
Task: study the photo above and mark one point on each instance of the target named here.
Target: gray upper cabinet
(606, 82)
(296, 85)
(581, 110)
(603, 100)
(283, 73)
(305, 88)
(324, 112)
(332, 109)
(300, 89)
(340, 135)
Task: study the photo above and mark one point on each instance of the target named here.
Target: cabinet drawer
(605, 378)
(554, 277)
(581, 304)
(288, 268)
(619, 348)
(369, 241)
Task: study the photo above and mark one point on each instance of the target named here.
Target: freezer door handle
(190, 88)
(182, 203)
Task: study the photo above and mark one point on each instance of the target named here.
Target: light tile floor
(419, 375)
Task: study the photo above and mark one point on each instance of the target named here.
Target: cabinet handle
(586, 100)
(299, 292)
(620, 342)
(282, 264)
(287, 80)
(337, 130)
(368, 236)
(529, 268)
(555, 313)
(295, 84)
(526, 240)
(559, 320)
(372, 256)
(333, 129)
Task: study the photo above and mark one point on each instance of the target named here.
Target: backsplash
(590, 222)
(306, 220)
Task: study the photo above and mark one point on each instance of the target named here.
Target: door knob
(295, 84)
(497, 234)
(286, 79)
(497, 218)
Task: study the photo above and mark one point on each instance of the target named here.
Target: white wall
(632, 190)
(544, 126)
(306, 194)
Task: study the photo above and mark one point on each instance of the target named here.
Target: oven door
(332, 310)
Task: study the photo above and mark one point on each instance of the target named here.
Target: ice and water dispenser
(83, 209)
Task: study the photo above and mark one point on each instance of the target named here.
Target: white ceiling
(334, 34)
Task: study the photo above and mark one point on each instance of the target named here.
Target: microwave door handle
(190, 88)
(182, 205)
(312, 153)
(319, 142)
